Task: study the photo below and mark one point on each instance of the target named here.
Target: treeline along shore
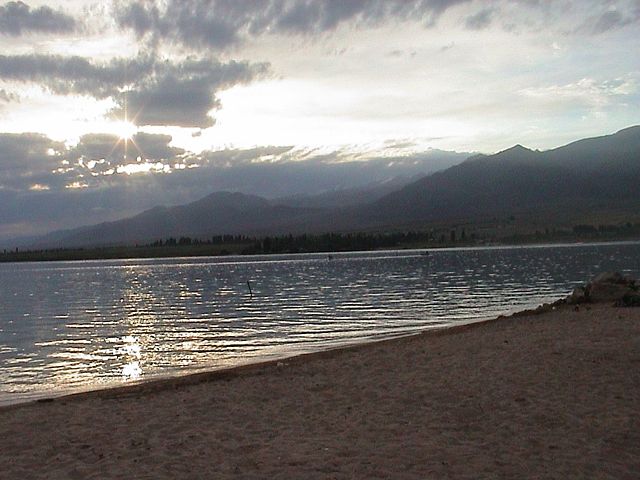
(440, 237)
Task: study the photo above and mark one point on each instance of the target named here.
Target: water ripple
(91, 324)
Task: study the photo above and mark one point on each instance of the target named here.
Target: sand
(554, 395)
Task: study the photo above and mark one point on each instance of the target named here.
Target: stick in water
(249, 285)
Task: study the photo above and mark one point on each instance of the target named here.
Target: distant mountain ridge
(217, 213)
(350, 197)
(602, 172)
(595, 174)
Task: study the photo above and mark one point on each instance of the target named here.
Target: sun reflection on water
(93, 324)
(131, 371)
(131, 351)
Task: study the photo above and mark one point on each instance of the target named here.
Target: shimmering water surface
(85, 325)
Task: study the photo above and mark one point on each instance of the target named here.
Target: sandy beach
(552, 395)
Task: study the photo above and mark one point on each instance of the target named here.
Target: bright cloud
(587, 90)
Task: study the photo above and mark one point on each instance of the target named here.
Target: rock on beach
(608, 287)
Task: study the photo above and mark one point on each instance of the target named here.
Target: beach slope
(552, 395)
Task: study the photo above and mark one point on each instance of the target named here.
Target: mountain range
(588, 177)
(591, 175)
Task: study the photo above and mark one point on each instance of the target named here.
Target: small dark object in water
(249, 285)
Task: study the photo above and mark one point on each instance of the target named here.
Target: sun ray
(125, 129)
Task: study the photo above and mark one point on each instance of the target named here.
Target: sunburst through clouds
(125, 130)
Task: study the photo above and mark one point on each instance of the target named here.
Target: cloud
(400, 53)
(610, 20)
(8, 97)
(97, 146)
(480, 20)
(17, 18)
(26, 158)
(275, 171)
(184, 94)
(158, 92)
(447, 47)
(31, 162)
(156, 146)
(221, 23)
(98, 157)
(230, 158)
(615, 17)
(75, 75)
(586, 91)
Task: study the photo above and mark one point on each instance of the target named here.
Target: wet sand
(553, 395)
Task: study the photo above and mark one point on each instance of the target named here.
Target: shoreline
(169, 381)
(84, 254)
(539, 394)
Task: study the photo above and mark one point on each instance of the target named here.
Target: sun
(124, 130)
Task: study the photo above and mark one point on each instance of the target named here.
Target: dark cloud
(27, 158)
(156, 147)
(609, 21)
(480, 20)
(183, 94)
(98, 146)
(34, 162)
(99, 159)
(222, 23)
(158, 92)
(113, 149)
(304, 17)
(17, 18)
(138, 17)
(66, 75)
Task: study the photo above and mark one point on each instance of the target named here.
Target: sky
(107, 108)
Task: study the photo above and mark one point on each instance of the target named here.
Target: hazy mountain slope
(314, 175)
(601, 172)
(592, 175)
(341, 198)
(217, 213)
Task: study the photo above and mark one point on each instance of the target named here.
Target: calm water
(84, 325)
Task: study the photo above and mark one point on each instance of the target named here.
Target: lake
(73, 326)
